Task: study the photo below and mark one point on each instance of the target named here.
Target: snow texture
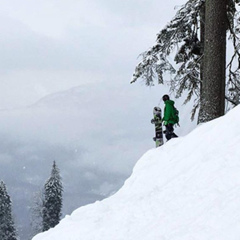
(188, 189)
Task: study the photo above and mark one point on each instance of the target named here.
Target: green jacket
(169, 112)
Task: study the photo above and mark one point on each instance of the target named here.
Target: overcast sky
(51, 45)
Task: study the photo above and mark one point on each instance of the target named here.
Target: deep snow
(188, 189)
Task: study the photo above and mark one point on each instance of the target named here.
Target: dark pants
(169, 132)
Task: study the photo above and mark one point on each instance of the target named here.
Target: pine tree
(52, 199)
(7, 228)
(184, 37)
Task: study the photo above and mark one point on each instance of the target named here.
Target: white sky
(48, 46)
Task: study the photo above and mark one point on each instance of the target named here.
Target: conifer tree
(52, 199)
(7, 228)
(184, 37)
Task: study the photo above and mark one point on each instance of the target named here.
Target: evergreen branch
(183, 26)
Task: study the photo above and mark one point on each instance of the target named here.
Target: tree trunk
(202, 33)
(214, 61)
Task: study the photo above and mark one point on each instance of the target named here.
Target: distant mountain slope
(187, 189)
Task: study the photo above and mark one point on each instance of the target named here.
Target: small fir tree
(7, 228)
(52, 205)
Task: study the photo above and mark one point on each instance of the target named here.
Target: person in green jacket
(169, 117)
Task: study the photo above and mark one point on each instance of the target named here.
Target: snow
(188, 189)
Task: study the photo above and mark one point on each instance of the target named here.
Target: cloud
(95, 34)
(50, 46)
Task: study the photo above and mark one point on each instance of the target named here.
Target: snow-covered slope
(188, 189)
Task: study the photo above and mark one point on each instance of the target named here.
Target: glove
(152, 121)
(165, 123)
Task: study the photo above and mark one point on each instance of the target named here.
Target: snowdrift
(188, 189)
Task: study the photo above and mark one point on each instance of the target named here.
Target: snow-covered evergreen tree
(184, 38)
(7, 228)
(52, 199)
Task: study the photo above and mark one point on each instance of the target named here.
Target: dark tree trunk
(202, 33)
(213, 85)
